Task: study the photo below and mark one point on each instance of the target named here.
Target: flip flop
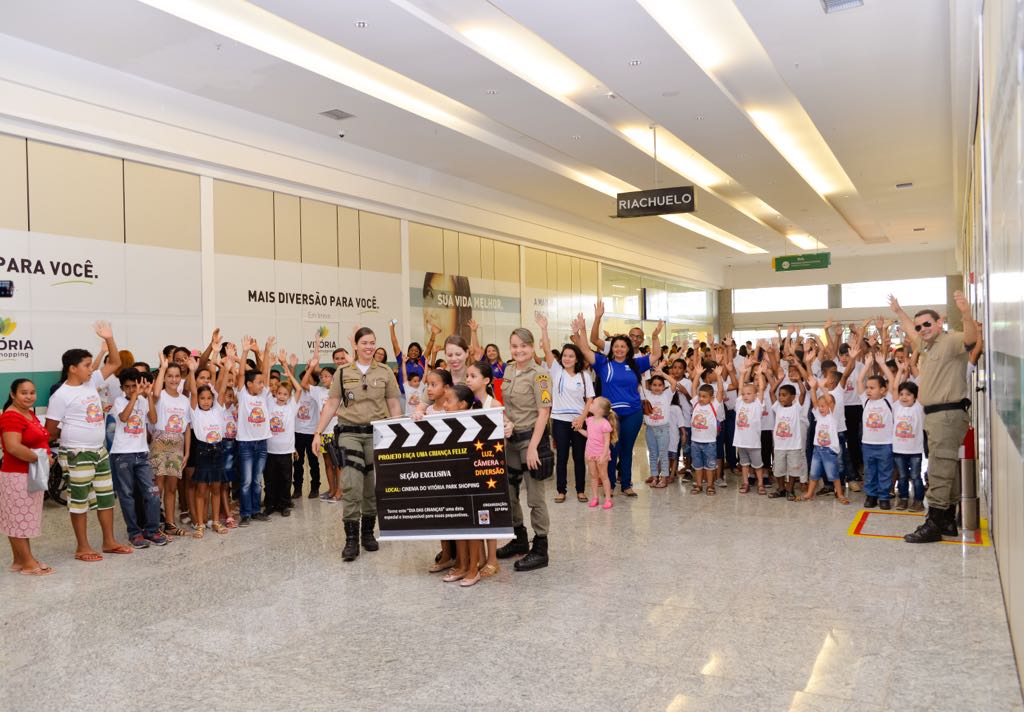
(43, 570)
(120, 549)
(15, 568)
(89, 557)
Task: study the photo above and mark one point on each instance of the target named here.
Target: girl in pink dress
(602, 432)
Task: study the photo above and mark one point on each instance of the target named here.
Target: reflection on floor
(671, 601)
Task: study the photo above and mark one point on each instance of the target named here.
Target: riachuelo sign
(660, 201)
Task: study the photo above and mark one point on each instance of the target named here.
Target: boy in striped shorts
(75, 414)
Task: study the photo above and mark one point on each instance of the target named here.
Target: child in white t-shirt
(253, 431)
(312, 397)
(281, 445)
(170, 446)
(658, 393)
(209, 425)
(825, 460)
(790, 418)
(747, 433)
(908, 443)
(876, 433)
(705, 420)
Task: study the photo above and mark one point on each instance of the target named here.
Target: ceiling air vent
(831, 6)
(337, 114)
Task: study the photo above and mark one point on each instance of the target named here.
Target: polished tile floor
(666, 602)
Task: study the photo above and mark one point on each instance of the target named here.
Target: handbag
(39, 471)
(647, 407)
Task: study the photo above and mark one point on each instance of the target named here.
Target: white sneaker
(720, 482)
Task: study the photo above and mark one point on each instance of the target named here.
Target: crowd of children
(221, 438)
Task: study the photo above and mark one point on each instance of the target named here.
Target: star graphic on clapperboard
(492, 483)
(479, 446)
(498, 447)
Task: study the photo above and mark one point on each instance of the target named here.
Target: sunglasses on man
(922, 325)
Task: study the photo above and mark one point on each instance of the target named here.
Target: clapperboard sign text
(443, 477)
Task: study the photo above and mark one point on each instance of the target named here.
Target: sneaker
(720, 482)
(313, 494)
(245, 521)
(594, 502)
(297, 493)
(325, 496)
(286, 512)
(901, 504)
(916, 506)
(157, 539)
(607, 504)
(185, 518)
(885, 504)
(856, 486)
(139, 542)
(261, 517)
(870, 502)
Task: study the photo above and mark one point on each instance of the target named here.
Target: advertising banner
(443, 477)
(53, 287)
(451, 301)
(301, 304)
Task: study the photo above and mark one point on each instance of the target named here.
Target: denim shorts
(703, 456)
(825, 461)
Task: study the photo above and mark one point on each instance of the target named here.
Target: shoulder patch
(545, 397)
(544, 380)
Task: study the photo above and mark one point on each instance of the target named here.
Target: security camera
(341, 134)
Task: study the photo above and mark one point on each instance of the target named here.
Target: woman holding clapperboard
(527, 391)
(362, 391)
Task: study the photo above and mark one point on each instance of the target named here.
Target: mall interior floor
(670, 601)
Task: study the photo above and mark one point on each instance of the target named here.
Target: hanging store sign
(660, 201)
(791, 263)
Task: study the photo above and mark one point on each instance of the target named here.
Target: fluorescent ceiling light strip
(262, 30)
(737, 57)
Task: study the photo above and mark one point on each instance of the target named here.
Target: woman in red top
(21, 511)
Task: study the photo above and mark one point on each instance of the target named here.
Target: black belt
(361, 429)
(939, 407)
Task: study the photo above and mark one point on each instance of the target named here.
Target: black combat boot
(930, 531)
(537, 558)
(948, 522)
(369, 543)
(351, 550)
(519, 545)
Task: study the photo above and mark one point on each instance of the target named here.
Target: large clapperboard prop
(443, 477)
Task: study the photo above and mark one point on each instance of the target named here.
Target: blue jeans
(686, 445)
(703, 455)
(877, 469)
(726, 434)
(909, 469)
(622, 451)
(252, 457)
(825, 461)
(229, 452)
(111, 427)
(657, 449)
(132, 474)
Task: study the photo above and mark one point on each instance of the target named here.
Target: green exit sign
(789, 263)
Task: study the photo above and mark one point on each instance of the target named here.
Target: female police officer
(362, 391)
(527, 390)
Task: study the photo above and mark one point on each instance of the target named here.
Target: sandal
(559, 498)
(219, 528)
(90, 557)
(842, 500)
(441, 566)
(696, 489)
(41, 570)
(580, 497)
(230, 523)
(777, 494)
(711, 492)
(790, 497)
(744, 488)
(649, 480)
(119, 549)
(761, 489)
(489, 570)
(171, 530)
(629, 492)
(199, 532)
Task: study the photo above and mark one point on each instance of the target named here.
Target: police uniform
(526, 390)
(363, 399)
(943, 393)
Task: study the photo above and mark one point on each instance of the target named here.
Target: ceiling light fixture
(804, 242)
(686, 24)
(361, 24)
(492, 92)
(635, 62)
(918, 229)
(904, 186)
(676, 155)
(522, 59)
(830, 6)
(789, 144)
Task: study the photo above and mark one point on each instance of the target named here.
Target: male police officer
(943, 393)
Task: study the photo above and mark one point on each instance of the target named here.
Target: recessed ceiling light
(576, 137)
(918, 229)
(635, 62)
(668, 94)
(700, 117)
(831, 6)
(611, 95)
(492, 92)
(904, 186)
(361, 24)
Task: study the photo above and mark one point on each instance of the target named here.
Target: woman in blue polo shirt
(417, 362)
(620, 373)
